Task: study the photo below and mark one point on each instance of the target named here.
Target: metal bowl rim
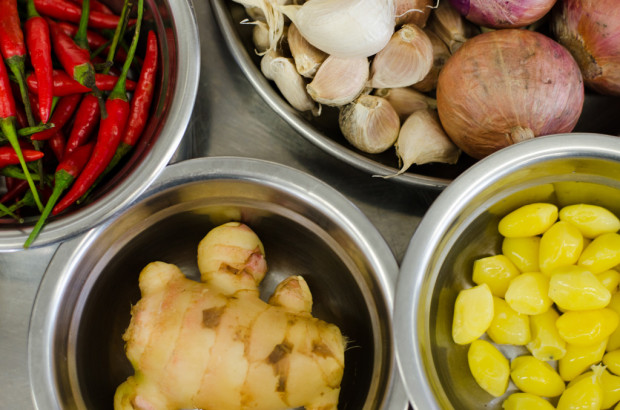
(436, 222)
(69, 253)
(171, 134)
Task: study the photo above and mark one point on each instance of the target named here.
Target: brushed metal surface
(229, 118)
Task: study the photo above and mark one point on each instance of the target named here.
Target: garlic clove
(405, 60)
(260, 36)
(422, 140)
(338, 81)
(441, 53)
(449, 25)
(344, 28)
(369, 123)
(267, 11)
(307, 57)
(413, 11)
(406, 100)
(290, 83)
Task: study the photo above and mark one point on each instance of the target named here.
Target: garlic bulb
(344, 28)
(406, 100)
(421, 140)
(307, 57)
(369, 123)
(413, 11)
(449, 25)
(441, 53)
(339, 81)
(405, 60)
(290, 83)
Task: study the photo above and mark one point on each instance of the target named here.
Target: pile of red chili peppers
(68, 111)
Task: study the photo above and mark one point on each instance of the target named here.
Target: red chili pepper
(75, 60)
(13, 48)
(18, 188)
(62, 114)
(95, 40)
(40, 49)
(57, 144)
(96, 6)
(67, 11)
(86, 120)
(64, 85)
(8, 156)
(66, 172)
(110, 131)
(7, 125)
(142, 98)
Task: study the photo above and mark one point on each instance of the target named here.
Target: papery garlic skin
(422, 140)
(441, 53)
(339, 81)
(413, 11)
(307, 58)
(590, 30)
(505, 86)
(405, 100)
(370, 124)
(344, 28)
(449, 25)
(290, 83)
(406, 59)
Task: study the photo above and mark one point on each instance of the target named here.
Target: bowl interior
(462, 227)
(93, 307)
(173, 100)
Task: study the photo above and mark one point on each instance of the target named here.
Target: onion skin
(591, 32)
(503, 13)
(506, 86)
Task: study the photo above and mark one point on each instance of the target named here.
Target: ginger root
(215, 345)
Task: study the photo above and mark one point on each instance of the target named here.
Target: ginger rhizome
(215, 345)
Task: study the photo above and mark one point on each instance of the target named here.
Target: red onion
(506, 86)
(503, 13)
(590, 29)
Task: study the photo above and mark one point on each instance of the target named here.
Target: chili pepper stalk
(66, 172)
(13, 49)
(119, 32)
(7, 126)
(110, 130)
(7, 211)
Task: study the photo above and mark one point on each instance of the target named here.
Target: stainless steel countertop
(229, 118)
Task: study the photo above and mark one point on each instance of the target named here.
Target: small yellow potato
(528, 293)
(535, 376)
(528, 220)
(473, 313)
(508, 326)
(496, 271)
(612, 361)
(602, 254)
(587, 327)
(610, 279)
(579, 358)
(585, 393)
(523, 252)
(575, 288)
(489, 367)
(591, 220)
(614, 339)
(546, 344)
(611, 389)
(560, 246)
(526, 401)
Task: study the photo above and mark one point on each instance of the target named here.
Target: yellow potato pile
(554, 290)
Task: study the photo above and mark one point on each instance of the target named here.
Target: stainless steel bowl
(179, 45)
(460, 227)
(598, 116)
(76, 356)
